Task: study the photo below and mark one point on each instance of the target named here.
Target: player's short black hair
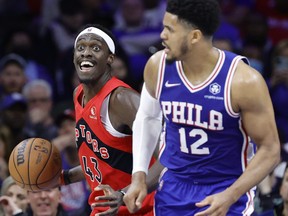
(104, 29)
(204, 14)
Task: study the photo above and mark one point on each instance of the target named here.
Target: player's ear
(195, 35)
(110, 59)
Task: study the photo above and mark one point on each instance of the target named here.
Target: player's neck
(92, 89)
(201, 65)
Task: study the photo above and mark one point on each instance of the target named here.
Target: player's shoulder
(152, 68)
(245, 74)
(123, 91)
(155, 59)
(122, 95)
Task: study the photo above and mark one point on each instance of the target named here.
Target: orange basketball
(35, 164)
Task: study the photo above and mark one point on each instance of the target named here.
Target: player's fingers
(140, 200)
(105, 204)
(203, 203)
(110, 198)
(211, 211)
(110, 212)
(129, 200)
(206, 212)
(105, 188)
(102, 187)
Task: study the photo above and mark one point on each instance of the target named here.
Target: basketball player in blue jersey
(215, 106)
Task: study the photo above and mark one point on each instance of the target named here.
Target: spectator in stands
(13, 198)
(257, 44)
(276, 12)
(13, 111)
(135, 35)
(154, 11)
(61, 33)
(281, 209)
(22, 42)
(223, 43)
(40, 123)
(98, 11)
(5, 150)
(278, 86)
(46, 202)
(12, 74)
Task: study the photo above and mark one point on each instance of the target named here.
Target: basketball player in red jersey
(105, 109)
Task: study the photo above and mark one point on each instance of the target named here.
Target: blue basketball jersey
(203, 138)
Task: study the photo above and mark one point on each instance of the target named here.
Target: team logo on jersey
(215, 88)
(93, 112)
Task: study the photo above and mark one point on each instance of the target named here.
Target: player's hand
(136, 192)
(111, 198)
(218, 204)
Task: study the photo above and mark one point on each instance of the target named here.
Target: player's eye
(96, 48)
(80, 47)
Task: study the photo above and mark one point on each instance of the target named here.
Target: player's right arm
(72, 175)
(146, 130)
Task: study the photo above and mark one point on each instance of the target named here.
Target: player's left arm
(250, 97)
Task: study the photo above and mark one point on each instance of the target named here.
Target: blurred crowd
(37, 76)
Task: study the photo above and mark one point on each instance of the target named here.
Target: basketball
(35, 164)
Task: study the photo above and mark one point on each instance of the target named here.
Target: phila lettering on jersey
(202, 134)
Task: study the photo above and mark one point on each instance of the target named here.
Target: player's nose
(86, 52)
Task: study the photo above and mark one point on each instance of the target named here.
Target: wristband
(122, 192)
(64, 177)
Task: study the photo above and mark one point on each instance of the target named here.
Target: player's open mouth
(86, 66)
(166, 48)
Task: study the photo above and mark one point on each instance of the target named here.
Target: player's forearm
(151, 179)
(146, 130)
(72, 175)
(264, 161)
(153, 176)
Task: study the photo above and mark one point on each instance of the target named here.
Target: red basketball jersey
(105, 159)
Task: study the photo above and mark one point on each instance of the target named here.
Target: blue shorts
(178, 197)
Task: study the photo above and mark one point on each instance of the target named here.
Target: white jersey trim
(161, 71)
(162, 140)
(228, 83)
(250, 203)
(194, 88)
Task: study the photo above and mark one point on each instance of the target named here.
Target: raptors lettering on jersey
(86, 134)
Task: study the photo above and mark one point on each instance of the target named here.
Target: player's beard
(183, 51)
(86, 81)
